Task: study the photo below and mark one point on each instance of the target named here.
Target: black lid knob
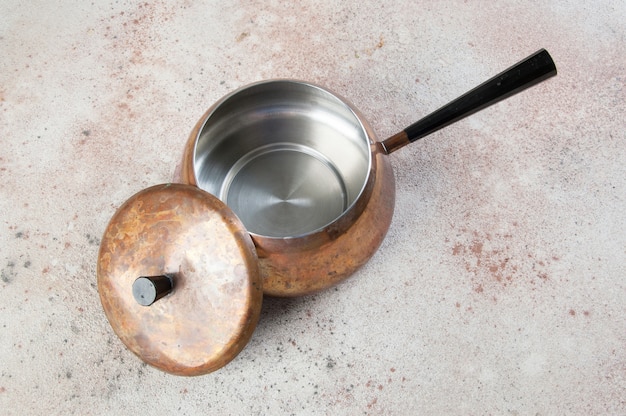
(149, 289)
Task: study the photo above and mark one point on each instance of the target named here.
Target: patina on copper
(214, 305)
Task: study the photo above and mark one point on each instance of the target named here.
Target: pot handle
(526, 73)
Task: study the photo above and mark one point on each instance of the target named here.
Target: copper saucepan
(286, 191)
(307, 176)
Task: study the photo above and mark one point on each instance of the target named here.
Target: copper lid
(194, 273)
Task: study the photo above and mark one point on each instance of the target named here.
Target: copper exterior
(215, 304)
(304, 265)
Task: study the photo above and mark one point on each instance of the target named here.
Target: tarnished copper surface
(303, 265)
(214, 307)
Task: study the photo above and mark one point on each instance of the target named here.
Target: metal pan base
(284, 189)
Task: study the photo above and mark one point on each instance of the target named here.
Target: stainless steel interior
(287, 157)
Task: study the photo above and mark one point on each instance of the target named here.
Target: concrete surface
(500, 288)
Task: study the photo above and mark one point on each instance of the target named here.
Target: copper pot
(304, 171)
(286, 191)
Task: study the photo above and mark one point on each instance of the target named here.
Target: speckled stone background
(500, 288)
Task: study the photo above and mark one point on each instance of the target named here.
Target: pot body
(304, 172)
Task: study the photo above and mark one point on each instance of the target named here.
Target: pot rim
(351, 213)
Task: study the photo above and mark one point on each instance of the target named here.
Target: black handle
(528, 72)
(149, 289)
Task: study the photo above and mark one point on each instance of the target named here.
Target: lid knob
(149, 289)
